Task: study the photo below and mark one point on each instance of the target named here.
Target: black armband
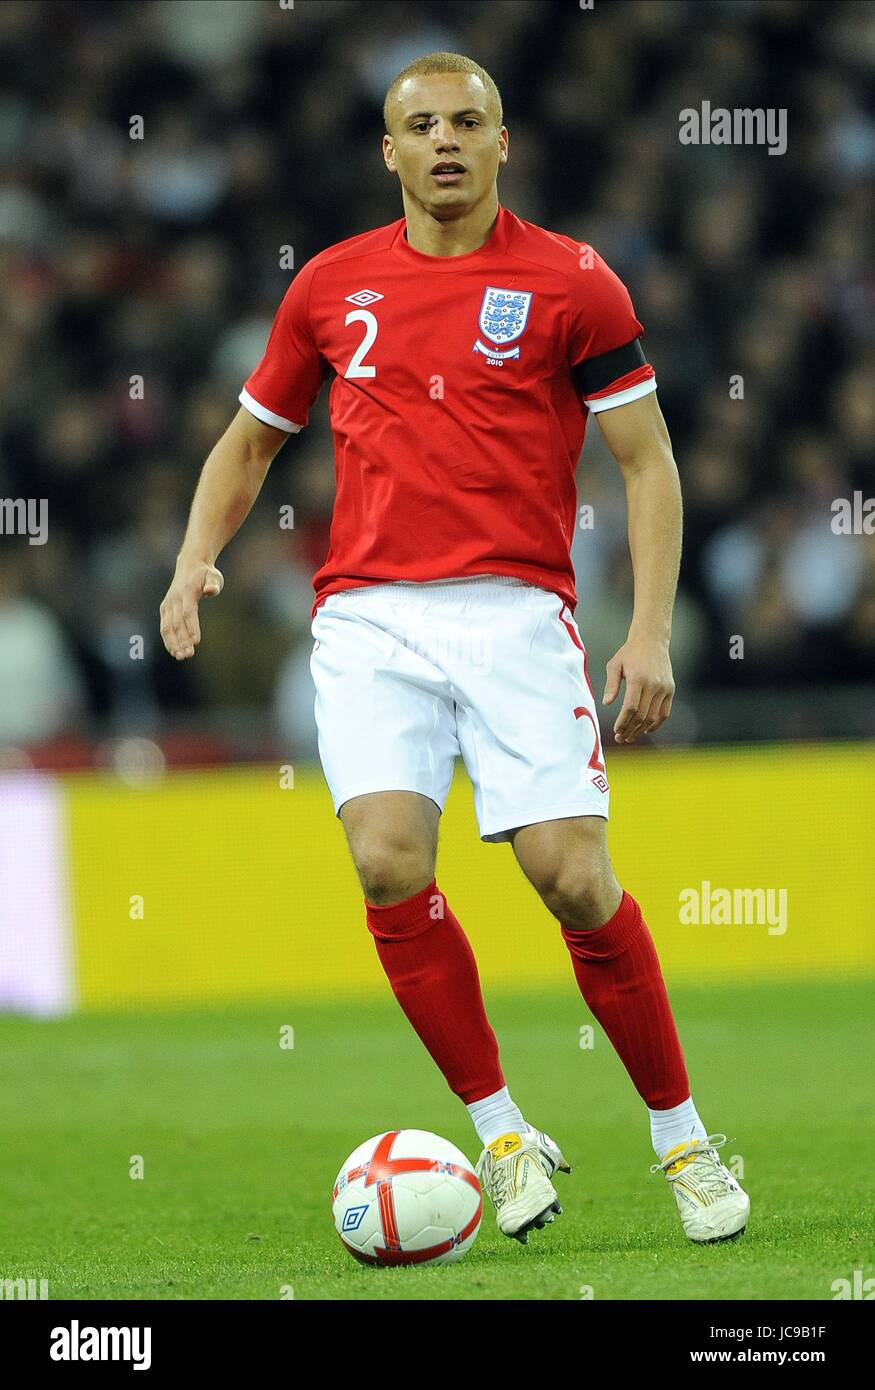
(593, 374)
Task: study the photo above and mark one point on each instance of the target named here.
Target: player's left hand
(645, 666)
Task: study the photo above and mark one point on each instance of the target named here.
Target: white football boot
(516, 1170)
(712, 1205)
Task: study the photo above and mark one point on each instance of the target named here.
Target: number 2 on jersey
(356, 367)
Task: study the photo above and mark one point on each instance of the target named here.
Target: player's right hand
(180, 628)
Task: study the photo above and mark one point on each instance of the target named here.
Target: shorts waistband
(438, 588)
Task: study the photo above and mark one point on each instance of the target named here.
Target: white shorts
(411, 675)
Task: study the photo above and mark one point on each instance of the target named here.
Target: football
(407, 1197)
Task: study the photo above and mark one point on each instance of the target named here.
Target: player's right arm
(276, 402)
(230, 481)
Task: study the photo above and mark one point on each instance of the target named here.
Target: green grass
(241, 1142)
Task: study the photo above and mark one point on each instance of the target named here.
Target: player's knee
(579, 893)
(390, 872)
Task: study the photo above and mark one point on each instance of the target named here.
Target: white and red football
(407, 1197)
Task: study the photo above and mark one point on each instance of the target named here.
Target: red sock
(433, 973)
(618, 972)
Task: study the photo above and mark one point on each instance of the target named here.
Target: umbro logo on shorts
(600, 783)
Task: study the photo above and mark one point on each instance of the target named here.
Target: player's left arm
(637, 437)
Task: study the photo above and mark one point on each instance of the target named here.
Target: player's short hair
(444, 62)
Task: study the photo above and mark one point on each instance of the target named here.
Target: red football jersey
(460, 400)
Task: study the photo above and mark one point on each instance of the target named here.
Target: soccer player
(469, 348)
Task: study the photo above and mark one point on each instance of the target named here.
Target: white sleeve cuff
(266, 416)
(622, 397)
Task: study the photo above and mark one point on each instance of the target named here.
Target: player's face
(445, 118)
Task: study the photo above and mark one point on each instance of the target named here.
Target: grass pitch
(240, 1142)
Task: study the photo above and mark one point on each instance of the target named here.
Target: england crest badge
(503, 317)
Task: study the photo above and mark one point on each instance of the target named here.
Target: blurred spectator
(40, 687)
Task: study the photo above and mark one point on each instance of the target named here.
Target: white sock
(668, 1128)
(496, 1115)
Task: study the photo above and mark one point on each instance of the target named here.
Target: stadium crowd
(161, 259)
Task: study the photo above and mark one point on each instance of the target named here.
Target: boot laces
(705, 1167)
(496, 1175)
